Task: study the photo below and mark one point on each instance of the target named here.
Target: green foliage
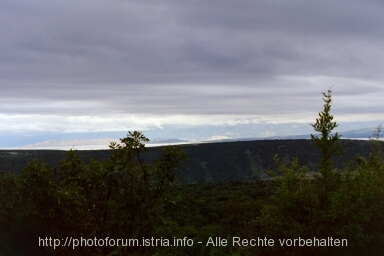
(291, 211)
(9, 203)
(328, 142)
(340, 204)
(121, 197)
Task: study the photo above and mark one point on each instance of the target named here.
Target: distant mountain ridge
(102, 143)
(176, 134)
(366, 133)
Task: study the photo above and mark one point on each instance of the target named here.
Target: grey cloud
(310, 17)
(187, 57)
(106, 42)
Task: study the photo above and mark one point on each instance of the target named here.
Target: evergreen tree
(328, 142)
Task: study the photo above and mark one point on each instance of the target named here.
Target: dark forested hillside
(245, 160)
(210, 162)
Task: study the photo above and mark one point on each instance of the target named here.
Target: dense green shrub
(122, 197)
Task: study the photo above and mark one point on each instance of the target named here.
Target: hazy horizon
(191, 135)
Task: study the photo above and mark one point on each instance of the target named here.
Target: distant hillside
(247, 160)
(210, 162)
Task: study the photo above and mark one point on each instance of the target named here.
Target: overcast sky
(115, 65)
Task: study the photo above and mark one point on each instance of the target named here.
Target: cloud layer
(157, 62)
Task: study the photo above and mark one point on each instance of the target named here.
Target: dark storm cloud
(188, 57)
